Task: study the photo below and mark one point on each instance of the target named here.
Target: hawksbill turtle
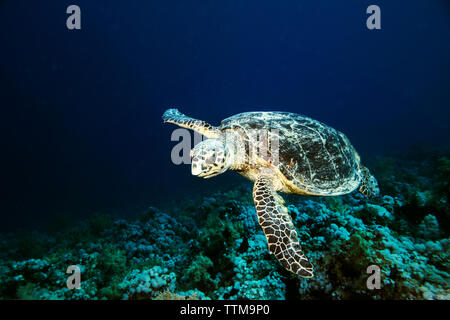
(279, 152)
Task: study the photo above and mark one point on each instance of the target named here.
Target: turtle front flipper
(278, 227)
(202, 127)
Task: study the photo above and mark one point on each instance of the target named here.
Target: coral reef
(215, 249)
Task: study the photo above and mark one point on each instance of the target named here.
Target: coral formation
(217, 250)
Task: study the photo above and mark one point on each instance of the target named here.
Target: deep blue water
(81, 110)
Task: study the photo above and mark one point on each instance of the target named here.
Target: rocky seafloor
(213, 247)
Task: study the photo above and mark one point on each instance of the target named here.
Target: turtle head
(209, 158)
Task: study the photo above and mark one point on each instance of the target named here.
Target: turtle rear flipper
(369, 185)
(176, 117)
(278, 227)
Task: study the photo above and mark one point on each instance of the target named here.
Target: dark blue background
(81, 127)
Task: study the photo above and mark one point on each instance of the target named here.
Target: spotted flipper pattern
(369, 185)
(176, 117)
(277, 225)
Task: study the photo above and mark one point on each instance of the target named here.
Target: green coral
(111, 261)
(28, 291)
(218, 235)
(347, 264)
(198, 274)
(336, 204)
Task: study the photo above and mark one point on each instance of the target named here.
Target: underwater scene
(212, 247)
(238, 150)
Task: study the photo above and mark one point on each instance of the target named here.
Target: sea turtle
(280, 152)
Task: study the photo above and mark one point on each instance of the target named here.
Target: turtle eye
(211, 160)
